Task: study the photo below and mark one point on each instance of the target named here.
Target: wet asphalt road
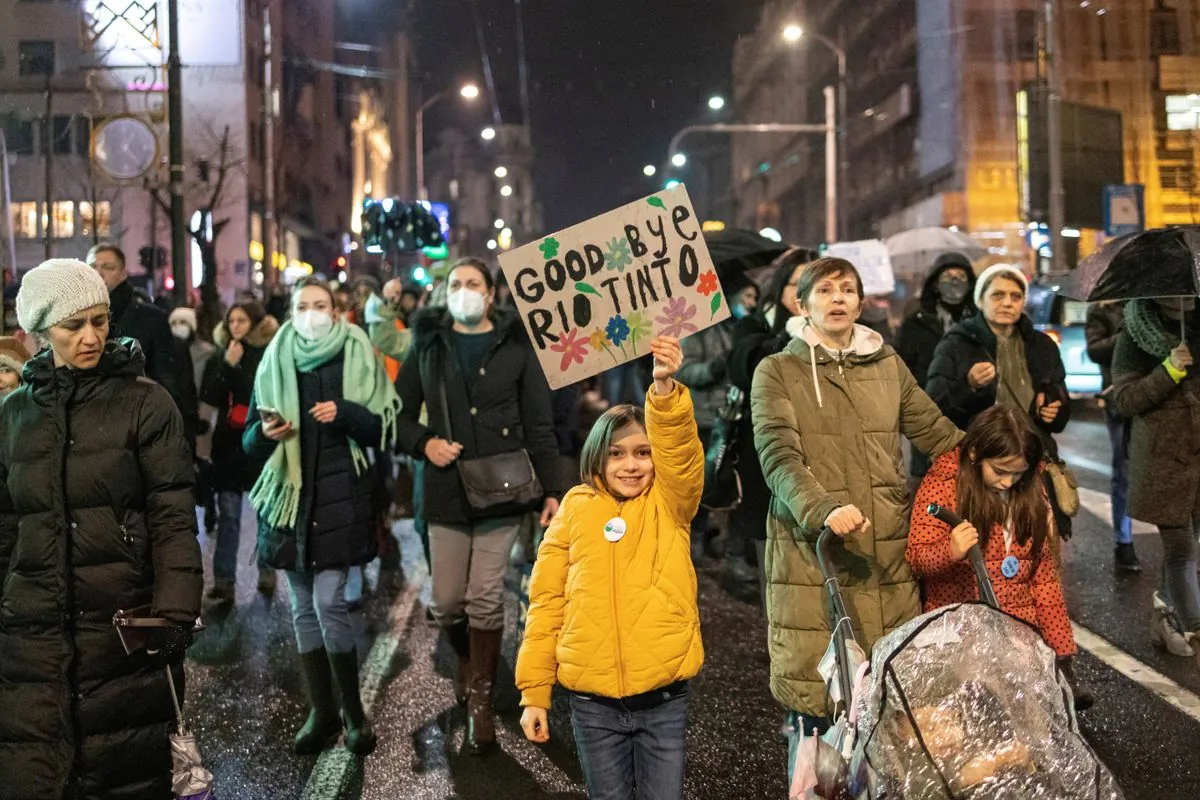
(245, 697)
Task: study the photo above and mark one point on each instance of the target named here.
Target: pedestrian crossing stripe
(1186, 701)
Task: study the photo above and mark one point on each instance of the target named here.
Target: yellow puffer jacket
(619, 619)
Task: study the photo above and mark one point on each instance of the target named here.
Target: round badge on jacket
(1009, 567)
(614, 529)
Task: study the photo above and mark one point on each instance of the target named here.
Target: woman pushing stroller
(992, 481)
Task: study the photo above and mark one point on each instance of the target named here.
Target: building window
(1183, 112)
(35, 57)
(96, 223)
(64, 219)
(1164, 33)
(83, 135)
(18, 135)
(1027, 35)
(1176, 177)
(24, 220)
(61, 133)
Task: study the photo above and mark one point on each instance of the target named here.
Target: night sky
(610, 81)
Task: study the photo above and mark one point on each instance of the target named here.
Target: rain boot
(360, 734)
(460, 641)
(485, 655)
(1080, 693)
(322, 728)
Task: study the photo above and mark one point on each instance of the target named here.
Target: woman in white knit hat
(95, 516)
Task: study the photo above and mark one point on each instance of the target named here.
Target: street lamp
(506, 191)
(679, 160)
(500, 172)
(487, 134)
(649, 170)
(716, 102)
(794, 33)
(468, 91)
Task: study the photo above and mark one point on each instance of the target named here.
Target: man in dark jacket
(945, 300)
(133, 316)
(1104, 324)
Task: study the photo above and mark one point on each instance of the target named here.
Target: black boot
(485, 656)
(1126, 558)
(460, 641)
(322, 728)
(1084, 699)
(360, 734)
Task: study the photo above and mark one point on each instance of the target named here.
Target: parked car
(1063, 321)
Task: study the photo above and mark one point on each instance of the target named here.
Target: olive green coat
(818, 455)
(1164, 438)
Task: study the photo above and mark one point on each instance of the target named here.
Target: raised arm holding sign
(593, 296)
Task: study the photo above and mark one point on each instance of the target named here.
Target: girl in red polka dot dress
(993, 481)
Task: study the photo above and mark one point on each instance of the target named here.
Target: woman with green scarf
(1156, 385)
(321, 400)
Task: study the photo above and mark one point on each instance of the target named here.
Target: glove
(169, 644)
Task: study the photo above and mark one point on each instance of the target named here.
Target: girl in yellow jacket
(612, 611)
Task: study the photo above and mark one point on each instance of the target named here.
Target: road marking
(1100, 504)
(1186, 701)
(1076, 459)
(333, 767)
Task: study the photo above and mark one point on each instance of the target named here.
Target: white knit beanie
(184, 315)
(57, 289)
(995, 270)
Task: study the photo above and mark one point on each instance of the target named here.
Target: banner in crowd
(593, 296)
(870, 257)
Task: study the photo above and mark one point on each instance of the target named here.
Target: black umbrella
(1164, 262)
(738, 250)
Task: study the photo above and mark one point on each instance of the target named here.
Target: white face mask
(181, 331)
(466, 306)
(312, 325)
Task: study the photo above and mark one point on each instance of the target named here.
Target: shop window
(24, 220)
(95, 220)
(35, 57)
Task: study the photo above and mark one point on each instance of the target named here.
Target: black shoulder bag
(502, 479)
(722, 482)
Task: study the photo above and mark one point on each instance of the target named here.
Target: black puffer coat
(501, 410)
(225, 387)
(335, 525)
(923, 329)
(972, 341)
(96, 515)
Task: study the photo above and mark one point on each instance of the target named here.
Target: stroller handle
(840, 617)
(986, 592)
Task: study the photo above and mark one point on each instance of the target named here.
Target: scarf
(276, 493)
(1148, 330)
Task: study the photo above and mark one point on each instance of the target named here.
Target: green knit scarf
(276, 494)
(1148, 329)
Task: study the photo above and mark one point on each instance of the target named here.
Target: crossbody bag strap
(442, 393)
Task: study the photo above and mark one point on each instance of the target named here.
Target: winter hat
(13, 353)
(55, 290)
(184, 315)
(998, 270)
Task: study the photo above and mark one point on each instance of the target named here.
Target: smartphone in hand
(269, 416)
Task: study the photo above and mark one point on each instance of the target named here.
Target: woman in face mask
(321, 401)
(472, 366)
(228, 384)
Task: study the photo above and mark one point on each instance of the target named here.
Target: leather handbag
(722, 483)
(502, 479)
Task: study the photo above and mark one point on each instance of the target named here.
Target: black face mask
(952, 292)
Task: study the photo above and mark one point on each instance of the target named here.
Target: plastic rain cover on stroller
(965, 703)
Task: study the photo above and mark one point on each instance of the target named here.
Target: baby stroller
(962, 703)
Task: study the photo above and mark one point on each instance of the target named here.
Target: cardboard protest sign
(593, 296)
(871, 258)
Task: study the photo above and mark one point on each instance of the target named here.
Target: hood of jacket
(121, 358)
(434, 323)
(865, 346)
(976, 330)
(259, 336)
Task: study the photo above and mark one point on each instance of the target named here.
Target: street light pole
(1054, 135)
(831, 146)
(843, 121)
(422, 191)
(175, 142)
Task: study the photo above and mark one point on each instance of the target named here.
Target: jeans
(624, 384)
(319, 611)
(799, 727)
(631, 754)
(229, 528)
(1178, 584)
(420, 524)
(1122, 525)
(469, 565)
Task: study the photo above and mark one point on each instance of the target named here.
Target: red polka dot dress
(1034, 594)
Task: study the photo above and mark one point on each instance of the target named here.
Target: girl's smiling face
(629, 469)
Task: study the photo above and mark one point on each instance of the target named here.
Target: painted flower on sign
(708, 283)
(618, 256)
(617, 330)
(599, 342)
(639, 328)
(573, 349)
(675, 316)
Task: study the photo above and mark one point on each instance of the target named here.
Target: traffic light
(152, 257)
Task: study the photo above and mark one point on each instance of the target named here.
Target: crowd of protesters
(312, 406)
